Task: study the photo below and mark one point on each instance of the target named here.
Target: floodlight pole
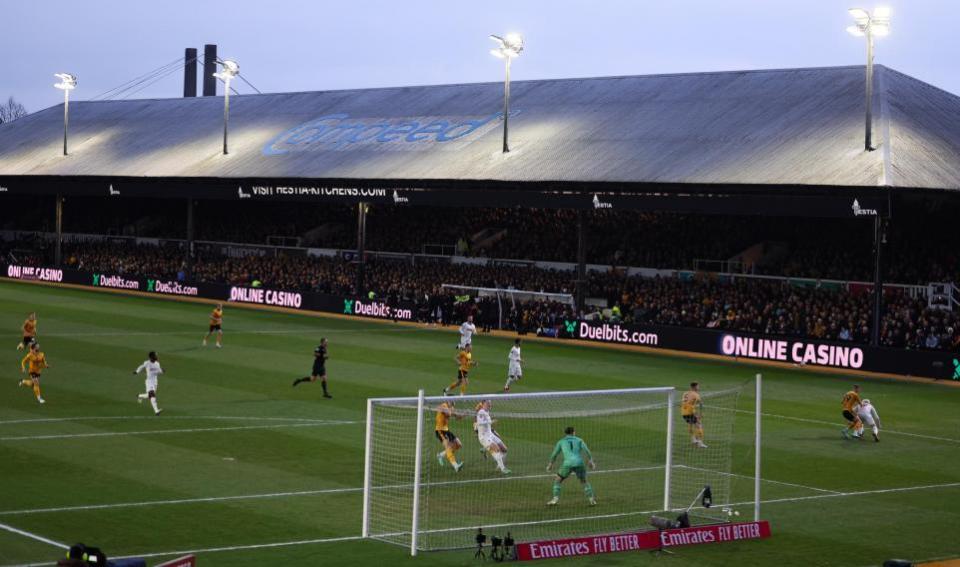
(66, 117)
(226, 112)
(506, 102)
(868, 139)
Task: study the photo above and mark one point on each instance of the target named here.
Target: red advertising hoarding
(638, 541)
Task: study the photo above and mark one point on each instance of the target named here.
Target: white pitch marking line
(168, 431)
(748, 477)
(243, 547)
(165, 418)
(838, 424)
(294, 493)
(33, 536)
(355, 538)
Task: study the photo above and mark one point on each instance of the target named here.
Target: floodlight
(508, 47)
(67, 82)
(870, 26)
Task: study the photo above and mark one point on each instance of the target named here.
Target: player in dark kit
(319, 368)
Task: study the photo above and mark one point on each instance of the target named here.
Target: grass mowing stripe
(33, 536)
(164, 431)
(354, 538)
(343, 490)
(838, 424)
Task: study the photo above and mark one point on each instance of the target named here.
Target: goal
(645, 463)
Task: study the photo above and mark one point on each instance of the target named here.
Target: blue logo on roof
(340, 132)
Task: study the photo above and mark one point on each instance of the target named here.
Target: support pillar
(878, 229)
(581, 261)
(58, 244)
(362, 209)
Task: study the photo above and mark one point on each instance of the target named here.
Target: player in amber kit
(465, 362)
(691, 409)
(446, 437)
(851, 406)
(36, 361)
(29, 331)
(216, 325)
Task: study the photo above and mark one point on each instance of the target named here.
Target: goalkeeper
(571, 446)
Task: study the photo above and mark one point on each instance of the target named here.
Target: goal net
(645, 463)
(508, 299)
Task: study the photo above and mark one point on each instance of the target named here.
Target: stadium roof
(770, 128)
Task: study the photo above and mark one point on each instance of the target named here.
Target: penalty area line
(33, 536)
(840, 425)
(169, 431)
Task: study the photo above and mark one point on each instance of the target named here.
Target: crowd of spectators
(921, 246)
(767, 306)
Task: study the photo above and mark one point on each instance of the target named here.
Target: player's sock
(324, 385)
(27, 383)
(451, 386)
(556, 489)
(153, 402)
(36, 391)
(451, 457)
(498, 456)
(463, 388)
(299, 380)
(588, 490)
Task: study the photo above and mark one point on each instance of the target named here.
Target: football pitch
(243, 469)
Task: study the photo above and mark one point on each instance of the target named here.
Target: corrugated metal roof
(775, 127)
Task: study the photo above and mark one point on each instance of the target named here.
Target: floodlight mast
(229, 69)
(67, 83)
(869, 26)
(507, 48)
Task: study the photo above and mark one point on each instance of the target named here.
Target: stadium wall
(723, 344)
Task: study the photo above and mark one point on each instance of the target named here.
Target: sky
(302, 45)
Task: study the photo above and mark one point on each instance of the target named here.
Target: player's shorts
(319, 370)
(462, 375)
(490, 440)
(464, 342)
(150, 384)
(849, 416)
(35, 375)
(515, 370)
(579, 470)
(215, 328)
(27, 341)
(867, 419)
(448, 435)
(692, 419)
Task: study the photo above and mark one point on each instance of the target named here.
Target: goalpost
(646, 463)
(507, 298)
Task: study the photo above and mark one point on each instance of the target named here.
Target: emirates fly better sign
(641, 541)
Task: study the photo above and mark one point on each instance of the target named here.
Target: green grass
(233, 426)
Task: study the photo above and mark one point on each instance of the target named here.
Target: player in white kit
(489, 438)
(868, 416)
(467, 329)
(153, 370)
(515, 367)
